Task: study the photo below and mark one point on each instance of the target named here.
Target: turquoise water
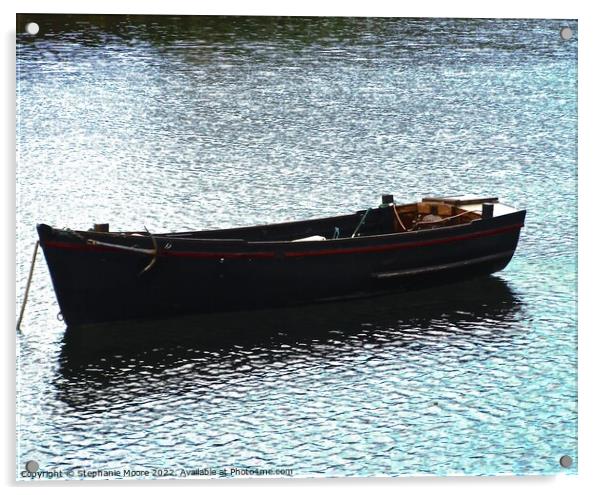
(189, 123)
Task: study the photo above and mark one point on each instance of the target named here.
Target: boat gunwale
(173, 236)
(320, 249)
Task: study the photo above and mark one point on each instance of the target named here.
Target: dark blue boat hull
(103, 282)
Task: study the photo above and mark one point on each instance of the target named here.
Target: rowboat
(102, 276)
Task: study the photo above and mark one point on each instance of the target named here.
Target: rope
(155, 253)
(152, 252)
(398, 218)
(359, 225)
(33, 262)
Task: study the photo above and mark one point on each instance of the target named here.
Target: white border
(590, 220)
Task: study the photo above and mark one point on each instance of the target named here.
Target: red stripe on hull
(175, 254)
(293, 254)
(405, 245)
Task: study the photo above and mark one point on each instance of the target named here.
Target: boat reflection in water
(95, 361)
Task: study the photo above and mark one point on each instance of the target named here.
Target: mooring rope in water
(33, 262)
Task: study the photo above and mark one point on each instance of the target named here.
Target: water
(188, 123)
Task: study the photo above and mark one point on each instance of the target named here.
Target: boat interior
(388, 218)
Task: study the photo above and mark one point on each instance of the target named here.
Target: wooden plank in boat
(425, 208)
(436, 207)
(467, 199)
(444, 210)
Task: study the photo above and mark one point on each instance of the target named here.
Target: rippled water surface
(180, 123)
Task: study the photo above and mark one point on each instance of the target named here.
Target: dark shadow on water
(59, 32)
(483, 310)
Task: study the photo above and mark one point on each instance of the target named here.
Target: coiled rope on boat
(152, 252)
